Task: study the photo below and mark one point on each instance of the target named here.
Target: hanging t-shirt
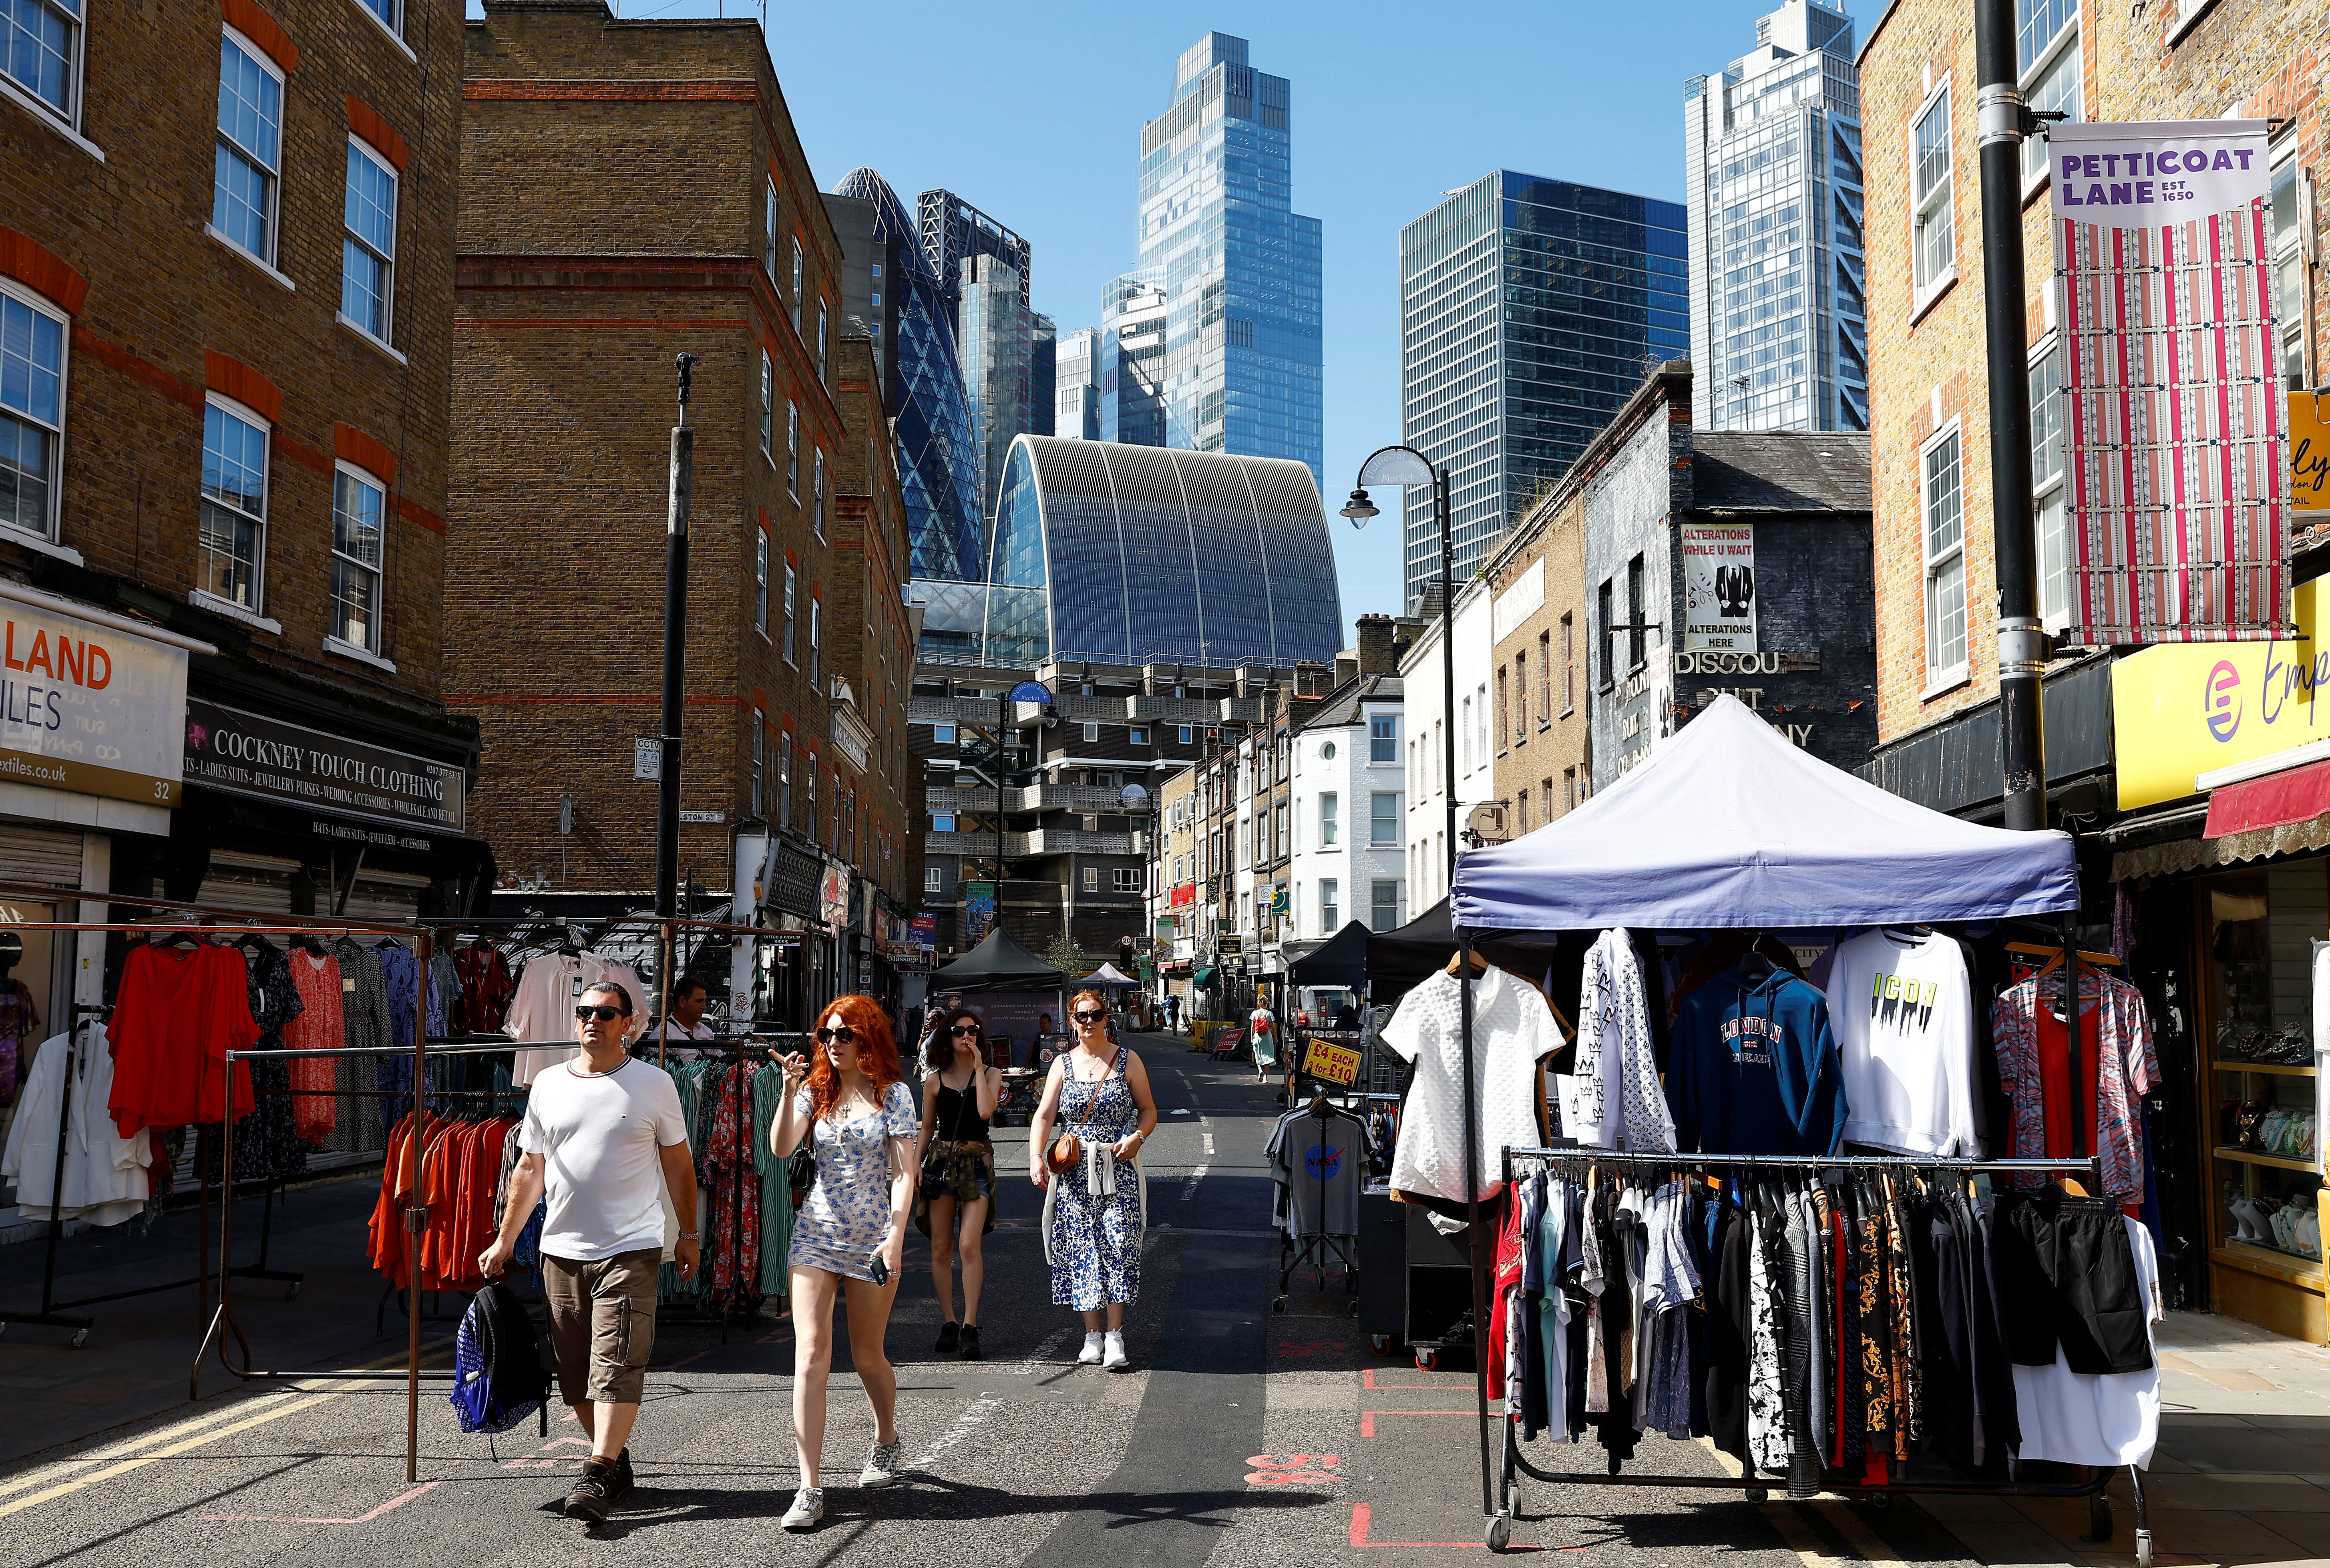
(1323, 1162)
(544, 1009)
(1512, 1031)
(2119, 1066)
(2106, 1418)
(602, 1138)
(1903, 1016)
(1614, 1099)
(177, 1012)
(1754, 1069)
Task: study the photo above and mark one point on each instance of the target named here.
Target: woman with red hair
(849, 1238)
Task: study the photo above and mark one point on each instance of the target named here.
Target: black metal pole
(1448, 653)
(675, 670)
(2022, 640)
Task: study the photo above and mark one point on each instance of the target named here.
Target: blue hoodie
(1754, 1069)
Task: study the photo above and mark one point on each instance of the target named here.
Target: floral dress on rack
(1094, 1213)
(847, 1214)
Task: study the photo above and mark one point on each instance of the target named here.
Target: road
(1239, 1438)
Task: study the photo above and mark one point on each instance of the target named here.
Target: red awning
(2276, 801)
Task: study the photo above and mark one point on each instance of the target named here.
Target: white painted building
(1423, 743)
(1348, 791)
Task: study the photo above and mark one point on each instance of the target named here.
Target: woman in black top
(958, 1162)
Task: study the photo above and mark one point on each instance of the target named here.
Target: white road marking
(1042, 1354)
(973, 1415)
(1190, 1183)
(1209, 1143)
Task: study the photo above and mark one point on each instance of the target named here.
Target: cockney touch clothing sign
(2174, 427)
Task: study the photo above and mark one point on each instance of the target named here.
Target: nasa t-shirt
(1323, 1163)
(1903, 1014)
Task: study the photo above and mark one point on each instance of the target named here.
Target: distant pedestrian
(956, 1160)
(1095, 1206)
(849, 1239)
(603, 1137)
(1173, 1013)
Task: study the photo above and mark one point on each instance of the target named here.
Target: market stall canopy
(1729, 825)
(1340, 960)
(1400, 958)
(997, 964)
(1108, 975)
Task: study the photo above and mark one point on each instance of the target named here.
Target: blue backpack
(497, 1374)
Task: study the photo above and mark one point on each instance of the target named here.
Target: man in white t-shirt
(602, 1135)
(689, 997)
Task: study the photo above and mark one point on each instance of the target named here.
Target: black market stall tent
(1726, 826)
(1340, 960)
(997, 964)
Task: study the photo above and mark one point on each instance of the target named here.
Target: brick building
(632, 190)
(225, 282)
(1540, 623)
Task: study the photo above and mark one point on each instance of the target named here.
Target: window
(941, 822)
(1124, 879)
(1522, 805)
(368, 250)
(769, 231)
(1932, 247)
(1569, 790)
(768, 407)
(1383, 911)
(233, 503)
(933, 880)
(1502, 737)
(1138, 734)
(1383, 739)
(1281, 839)
(792, 582)
(821, 344)
(2048, 489)
(1946, 607)
(2288, 265)
(243, 174)
(2047, 63)
(1637, 613)
(785, 778)
(941, 734)
(1330, 912)
(1091, 879)
(797, 286)
(1569, 666)
(358, 507)
(816, 615)
(1544, 678)
(808, 798)
(1520, 697)
(792, 449)
(1383, 824)
(1185, 736)
(1092, 732)
(760, 754)
(40, 52)
(31, 412)
(1330, 827)
(1603, 621)
(816, 493)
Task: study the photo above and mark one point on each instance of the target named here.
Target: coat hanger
(1480, 964)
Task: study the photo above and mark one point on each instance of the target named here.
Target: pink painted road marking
(359, 1519)
(1368, 1417)
(1361, 1514)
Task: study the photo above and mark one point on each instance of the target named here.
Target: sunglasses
(961, 1030)
(843, 1035)
(1090, 1017)
(586, 1011)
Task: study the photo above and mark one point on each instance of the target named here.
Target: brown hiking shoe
(593, 1496)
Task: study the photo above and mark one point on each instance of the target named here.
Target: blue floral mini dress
(1093, 1237)
(848, 1212)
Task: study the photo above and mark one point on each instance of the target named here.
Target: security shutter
(42, 855)
(259, 883)
(385, 897)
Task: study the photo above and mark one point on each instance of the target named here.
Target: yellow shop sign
(2309, 453)
(2183, 709)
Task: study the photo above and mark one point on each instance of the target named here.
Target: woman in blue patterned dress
(856, 1103)
(1093, 1212)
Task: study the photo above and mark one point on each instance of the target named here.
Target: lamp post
(1406, 466)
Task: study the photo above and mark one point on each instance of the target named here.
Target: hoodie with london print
(1754, 1069)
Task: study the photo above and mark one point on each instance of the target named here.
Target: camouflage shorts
(966, 1171)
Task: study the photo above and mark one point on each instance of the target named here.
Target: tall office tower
(992, 332)
(1771, 169)
(953, 231)
(937, 460)
(1075, 401)
(1530, 311)
(1237, 369)
(1043, 372)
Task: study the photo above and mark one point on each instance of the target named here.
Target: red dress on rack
(319, 1027)
(179, 1012)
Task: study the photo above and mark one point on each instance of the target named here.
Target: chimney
(1404, 633)
(1310, 678)
(1378, 656)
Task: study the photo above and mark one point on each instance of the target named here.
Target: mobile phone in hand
(881, 1270)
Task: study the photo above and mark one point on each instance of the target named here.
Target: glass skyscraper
(1212, 343)
(1530, 309)
(937, 470)
(1075, 401)
(998, 344)
(1043, 374)
(1772, 167)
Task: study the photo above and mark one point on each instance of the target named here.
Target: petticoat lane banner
(2175, 436)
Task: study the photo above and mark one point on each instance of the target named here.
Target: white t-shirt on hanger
(1903, 1016)
(1512, 1031)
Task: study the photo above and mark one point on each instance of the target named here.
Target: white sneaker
(881, 1466)
(1090, 1354)
(809, 1507)
(1114, 1358)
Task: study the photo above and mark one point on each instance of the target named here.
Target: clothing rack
(1514, 1463)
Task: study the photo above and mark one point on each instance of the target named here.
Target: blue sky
(1033, 112)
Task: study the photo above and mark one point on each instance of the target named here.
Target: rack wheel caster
(292, 1294)
(1278, 1303)
(1425, 1360)
(2144, 1549)
(1354, 1312)
(1759, 1494)
(2100, 1518)
(1880, 1502)
(1501, 1533)
(1380, 1343)
(79, 1338)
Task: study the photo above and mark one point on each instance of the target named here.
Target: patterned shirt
(2127, 1067)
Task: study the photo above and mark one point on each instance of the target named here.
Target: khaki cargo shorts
(602, 1324)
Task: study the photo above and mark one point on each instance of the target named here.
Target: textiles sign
(227, 749)
(89, 709)
(1719, 586)
(2178, 713)
(2174, 439)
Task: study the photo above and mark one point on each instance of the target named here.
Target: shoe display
(809, 1507)
(881, 1466)
(970, 1351)
(1113, 1357)
(948, 1337)
(593, 1496)
(1090, 1354)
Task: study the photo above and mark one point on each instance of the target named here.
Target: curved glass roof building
(1133, 555)
(937, 467)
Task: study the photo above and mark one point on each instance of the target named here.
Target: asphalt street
(1240, 1438)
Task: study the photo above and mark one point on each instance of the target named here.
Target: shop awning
(2276, 801)
(1206, 979)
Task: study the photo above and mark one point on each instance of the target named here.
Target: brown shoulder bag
(1068, 1150)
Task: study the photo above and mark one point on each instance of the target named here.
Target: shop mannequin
(18, 1017)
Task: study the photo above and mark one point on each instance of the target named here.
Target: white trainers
(881, 1466)
(809, 1507)
(1090, 1354)
(1113, 1357)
